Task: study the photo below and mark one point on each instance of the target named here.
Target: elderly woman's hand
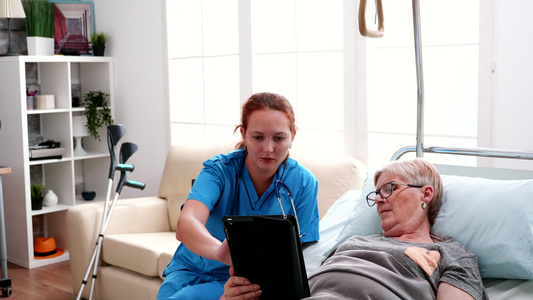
(240, 288)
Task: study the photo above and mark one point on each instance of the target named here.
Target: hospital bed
(487, 210)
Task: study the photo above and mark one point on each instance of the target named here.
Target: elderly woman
(406, 261)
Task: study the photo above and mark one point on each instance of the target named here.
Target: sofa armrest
(139, 215)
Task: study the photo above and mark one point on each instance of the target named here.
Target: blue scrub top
(225, 178)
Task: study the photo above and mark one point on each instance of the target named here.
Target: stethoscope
(278, 187)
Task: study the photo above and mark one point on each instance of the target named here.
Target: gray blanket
(378, 267)
(361, 274)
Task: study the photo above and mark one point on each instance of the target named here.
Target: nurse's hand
(240, 288)
(222, 253)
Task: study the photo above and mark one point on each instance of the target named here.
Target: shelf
(57, 58)
(47, 161)
(47, 111)
(50, 209)
(54, 110)
(48, 261)
(64, 77)
(91, 155)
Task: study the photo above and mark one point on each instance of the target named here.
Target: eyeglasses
(385, 191)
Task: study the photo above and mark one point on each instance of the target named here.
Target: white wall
(512, 92)
(138, 43)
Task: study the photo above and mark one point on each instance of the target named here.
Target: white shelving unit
(55, 75)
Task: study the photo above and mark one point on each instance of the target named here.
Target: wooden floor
(48, 282)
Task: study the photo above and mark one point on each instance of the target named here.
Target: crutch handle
(362, 20)
(124, 167)
(135, 184)
(124, 182)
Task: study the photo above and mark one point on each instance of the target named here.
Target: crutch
(126, 150)
(115, 132)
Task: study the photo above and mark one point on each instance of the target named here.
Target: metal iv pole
(418, 56)
(419, 81)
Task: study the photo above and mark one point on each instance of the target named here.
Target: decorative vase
(88, 195)
(98, 50)
(40, 45)
(50, 199)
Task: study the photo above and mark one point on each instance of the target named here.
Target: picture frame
(74, 25)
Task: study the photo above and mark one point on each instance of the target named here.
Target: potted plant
(36, 196)
(39, 27)
(96, 111)
(99, 39)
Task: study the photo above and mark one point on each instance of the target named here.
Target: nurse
(239, 183)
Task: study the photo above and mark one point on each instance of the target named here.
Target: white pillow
(492, 218)
(364, 220)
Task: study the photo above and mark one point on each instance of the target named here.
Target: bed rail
(482, 152)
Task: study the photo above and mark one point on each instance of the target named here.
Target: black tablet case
(267, 251)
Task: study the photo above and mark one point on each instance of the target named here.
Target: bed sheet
(334, 221)
(509, 289)
(330, 227)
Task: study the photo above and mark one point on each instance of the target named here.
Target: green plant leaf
(97, 112)
(99, 38)
(39, 18)
(37, 191)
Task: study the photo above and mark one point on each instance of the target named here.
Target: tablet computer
(267, 251)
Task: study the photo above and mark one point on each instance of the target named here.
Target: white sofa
(140, 239)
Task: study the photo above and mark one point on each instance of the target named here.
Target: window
(220, 52)
(297, 51)
(351, 94)
(450, 37)
(203, 43)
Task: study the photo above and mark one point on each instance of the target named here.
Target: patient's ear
(427, 192)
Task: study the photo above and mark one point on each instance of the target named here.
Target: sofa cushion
(174, 209)
(138, 252)
(164, 260)
(133, 212)
(335, 174)
(117, 283)
(184, 163)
